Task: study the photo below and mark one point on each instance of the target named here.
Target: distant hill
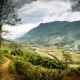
(57, 33)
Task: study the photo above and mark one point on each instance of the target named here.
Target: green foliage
(44, 61)
(4, 51)
(22, 68)
(17, 52)
(25, 70)
(1, 57)
(12, 68)
(66, 56)
(74, 72)
(37, 73)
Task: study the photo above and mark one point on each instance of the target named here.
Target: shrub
(37, 73)
(26, 71)
(6, 51)
(49, 74)
(24, 68)
(36, 59)
(17, 52)
(12, 68)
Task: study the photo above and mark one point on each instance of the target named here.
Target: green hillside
(54, 33)
(43, 32)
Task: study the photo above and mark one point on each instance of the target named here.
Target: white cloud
(18, 31)
(47, 11)
(41, 12)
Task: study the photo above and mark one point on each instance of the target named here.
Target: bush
(44, 61)
(37, 73)
(12, 68)
(24, 68)
(6, 52)
(74, 72)
(49, 74)
(26, 71)
(17, 52)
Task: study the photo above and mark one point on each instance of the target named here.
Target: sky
(34, 12)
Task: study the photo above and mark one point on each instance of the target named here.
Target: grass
(74, 65)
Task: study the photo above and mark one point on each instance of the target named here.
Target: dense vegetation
(36, 59)
(27, 65)
(23, 64)
(31, 66)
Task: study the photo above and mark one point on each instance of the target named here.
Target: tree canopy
(8, 15)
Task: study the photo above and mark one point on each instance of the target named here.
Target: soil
(4, 71)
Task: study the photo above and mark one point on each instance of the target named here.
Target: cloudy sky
(34, 12)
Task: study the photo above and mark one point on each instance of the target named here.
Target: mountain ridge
(58, 32)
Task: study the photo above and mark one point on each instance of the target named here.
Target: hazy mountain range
(57, 33)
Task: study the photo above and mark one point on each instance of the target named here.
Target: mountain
(57, 33)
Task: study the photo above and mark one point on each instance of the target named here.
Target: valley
(39, 39)
(50, 51)
(50, 39)
(29, 60)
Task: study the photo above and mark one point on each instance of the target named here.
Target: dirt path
(5, 74)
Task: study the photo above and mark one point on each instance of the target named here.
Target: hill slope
(58, 33)
(8, 44)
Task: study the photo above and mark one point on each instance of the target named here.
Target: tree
(66, 57)
(8, 15)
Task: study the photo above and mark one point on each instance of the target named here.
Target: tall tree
(8, 15)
